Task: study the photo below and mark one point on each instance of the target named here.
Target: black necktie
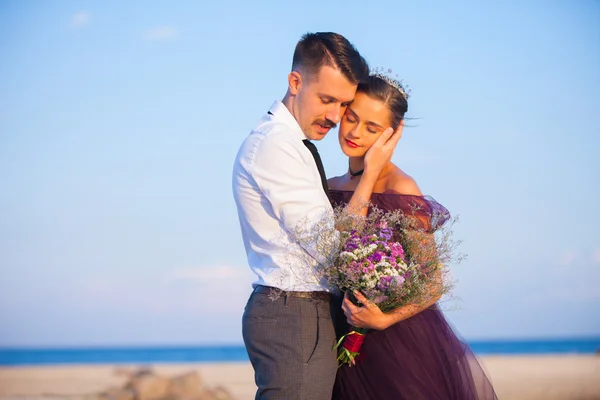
(315, 153)
(317, 157)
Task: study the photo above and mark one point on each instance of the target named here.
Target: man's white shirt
(277, 190)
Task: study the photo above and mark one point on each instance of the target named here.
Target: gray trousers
(289, 341)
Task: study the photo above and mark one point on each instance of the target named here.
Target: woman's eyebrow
(374, 123)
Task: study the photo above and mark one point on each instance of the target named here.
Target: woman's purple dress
(420, 358)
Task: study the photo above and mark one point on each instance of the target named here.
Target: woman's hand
(367, 316)
(380, 153)
(377, 158)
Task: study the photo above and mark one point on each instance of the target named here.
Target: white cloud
(201, 291)
(567, 258)
(80, 19)
(208, 273)
(161, 33)
(213, 291)
(184, 305)
(596, 257)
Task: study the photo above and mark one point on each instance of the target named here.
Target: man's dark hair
(315, 50)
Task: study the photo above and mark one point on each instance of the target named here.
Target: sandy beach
(551, 377)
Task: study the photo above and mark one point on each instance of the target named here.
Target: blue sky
(119, 124)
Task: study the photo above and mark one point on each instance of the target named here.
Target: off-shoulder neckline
(387, 192)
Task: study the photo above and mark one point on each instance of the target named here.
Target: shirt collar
(282, 114)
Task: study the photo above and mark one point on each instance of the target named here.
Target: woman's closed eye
(350, 118)
(373, 127)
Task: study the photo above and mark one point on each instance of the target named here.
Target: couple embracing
(279, 181)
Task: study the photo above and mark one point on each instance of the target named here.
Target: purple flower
(367, 266)
(398, 281)
(375, 257)
(386, 233)
(385, 282)
(397, 250)
(350, 246)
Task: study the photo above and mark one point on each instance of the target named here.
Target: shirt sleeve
(286, 177)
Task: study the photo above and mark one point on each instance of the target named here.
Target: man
(278, 182)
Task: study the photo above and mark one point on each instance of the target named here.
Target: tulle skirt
(420, 358)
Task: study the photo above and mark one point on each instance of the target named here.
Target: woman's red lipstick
(350, 143)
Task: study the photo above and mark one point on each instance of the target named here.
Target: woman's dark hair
(315, 50)
(379, 89)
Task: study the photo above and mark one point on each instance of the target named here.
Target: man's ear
(294, 82)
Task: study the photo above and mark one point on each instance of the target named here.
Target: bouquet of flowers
(393, 258)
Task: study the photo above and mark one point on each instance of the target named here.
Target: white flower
(402, 266)
(371, 283)
(364, 252)
(383, 264)
(346, 255)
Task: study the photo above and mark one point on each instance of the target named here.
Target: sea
(237, 353)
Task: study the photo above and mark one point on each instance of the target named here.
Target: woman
(410, 353)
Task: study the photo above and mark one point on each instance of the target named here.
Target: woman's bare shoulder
(401, 182)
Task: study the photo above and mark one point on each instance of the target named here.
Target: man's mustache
(326, 123)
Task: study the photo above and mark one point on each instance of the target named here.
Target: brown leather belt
(303, 295)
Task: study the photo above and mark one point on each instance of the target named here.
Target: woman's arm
(370, 315)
